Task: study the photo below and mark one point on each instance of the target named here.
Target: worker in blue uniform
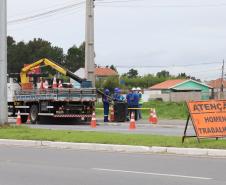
(120, 97)
(140, 103)
(135, 102)
(116, 94)
(129, 98)
(106, 103)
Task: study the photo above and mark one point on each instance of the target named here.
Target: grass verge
(25, 133)
(165, 110)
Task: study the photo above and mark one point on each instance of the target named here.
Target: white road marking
(150, 173)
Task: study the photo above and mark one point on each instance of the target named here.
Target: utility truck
(30, 98)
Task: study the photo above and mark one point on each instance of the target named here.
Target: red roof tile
(167, 84)
(216, 83)
(104, 71)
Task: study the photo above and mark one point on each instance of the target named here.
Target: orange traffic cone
(18, 119)
(153, 117)
(60, 84)
(150, 115)
(54, 86)
(93, 123)
(29, 119)
(132, 124)
(112, 115)
(42, 85)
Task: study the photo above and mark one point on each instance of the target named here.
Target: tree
(113, 68)
(133, 73)
(108, 83)
(163, 73)
(17, 56)
(25, 53)
(182, 75)
(75, 58)
(40, 48)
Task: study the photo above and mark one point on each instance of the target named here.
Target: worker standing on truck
(106, 103)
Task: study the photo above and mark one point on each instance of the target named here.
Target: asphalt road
(164, 127)
(44, 166)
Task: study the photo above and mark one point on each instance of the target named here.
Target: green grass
(165, 110)
(25, 133)
(168, 110)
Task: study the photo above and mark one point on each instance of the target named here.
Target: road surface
(44, 166)
(164, 127)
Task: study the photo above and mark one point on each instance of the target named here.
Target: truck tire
(34, 114)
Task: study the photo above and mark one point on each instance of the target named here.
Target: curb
(115, 148)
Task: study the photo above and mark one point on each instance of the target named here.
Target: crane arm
(46, 62)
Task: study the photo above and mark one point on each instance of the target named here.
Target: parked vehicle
(31, 98)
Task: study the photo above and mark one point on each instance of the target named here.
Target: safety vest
(140, 99)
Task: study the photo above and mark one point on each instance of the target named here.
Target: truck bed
(69, 94)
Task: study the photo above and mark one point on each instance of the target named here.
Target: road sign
(208, 118)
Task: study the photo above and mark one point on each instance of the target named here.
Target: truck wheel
(34, 114)
(23, 118)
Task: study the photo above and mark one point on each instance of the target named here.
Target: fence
(182, 96)
(219, 95)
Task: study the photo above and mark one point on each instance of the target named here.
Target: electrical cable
(116, 3)
(43, 14)
(46, 8)
(166, 66)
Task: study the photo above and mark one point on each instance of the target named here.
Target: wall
(185, 96)
(195, 85)
(176, 96)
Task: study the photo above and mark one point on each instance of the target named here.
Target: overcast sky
(149, 35)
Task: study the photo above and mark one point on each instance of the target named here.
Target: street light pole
(89, 42)
(3, 63)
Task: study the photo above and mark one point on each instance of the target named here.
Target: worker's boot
(105, 118)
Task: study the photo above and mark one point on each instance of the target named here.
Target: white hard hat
(134, 89)
(138, 89)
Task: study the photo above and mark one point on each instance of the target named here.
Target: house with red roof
(101, 73)
(217, 84)
(104, 72)
(181, 90)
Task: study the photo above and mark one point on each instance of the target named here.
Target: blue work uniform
(116, 97)
(106, 104)
(135, 104)
(129, 98)
(140, 105)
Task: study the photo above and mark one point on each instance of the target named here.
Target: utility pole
(222, 82)
(3, 64)
(89, 42)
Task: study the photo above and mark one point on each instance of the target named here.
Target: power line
(46, 13)
(41, 9)
(166, 66)
(117, 3)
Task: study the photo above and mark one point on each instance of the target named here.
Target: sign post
(208, 119)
